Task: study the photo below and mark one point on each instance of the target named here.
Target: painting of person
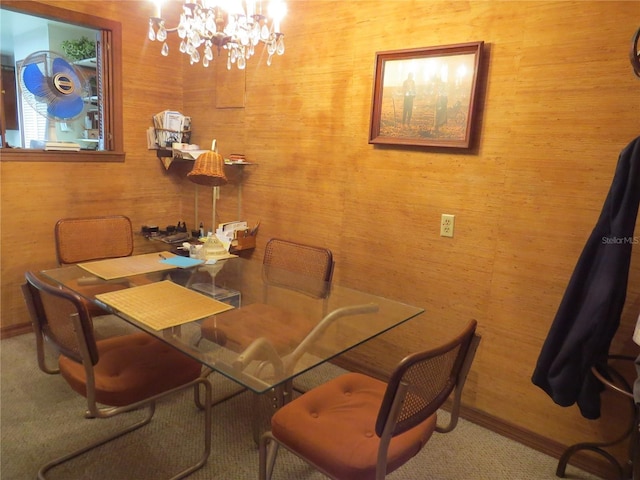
(408, 93)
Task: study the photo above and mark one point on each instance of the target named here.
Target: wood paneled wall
(36, 194)
(559, 102)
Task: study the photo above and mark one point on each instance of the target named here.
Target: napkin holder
(243, 240)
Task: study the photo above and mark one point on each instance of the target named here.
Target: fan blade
(35, 81)
(66, 108)
(62, 66)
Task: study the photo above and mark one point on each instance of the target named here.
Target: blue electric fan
(53, 86)
(55, 89)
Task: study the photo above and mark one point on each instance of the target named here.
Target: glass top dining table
(321, 328)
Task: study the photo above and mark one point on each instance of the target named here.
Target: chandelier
(237, 26)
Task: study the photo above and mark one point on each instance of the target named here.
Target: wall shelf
(169, 155)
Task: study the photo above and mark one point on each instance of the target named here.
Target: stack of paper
(62, 146)
(170, 127)
(188, 154)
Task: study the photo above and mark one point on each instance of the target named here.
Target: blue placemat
(182, 262)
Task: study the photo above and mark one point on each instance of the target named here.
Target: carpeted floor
(41, 418)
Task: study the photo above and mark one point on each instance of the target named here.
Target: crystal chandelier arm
(157, 20)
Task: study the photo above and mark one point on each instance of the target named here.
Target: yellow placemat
(128, 266)
(163, 304)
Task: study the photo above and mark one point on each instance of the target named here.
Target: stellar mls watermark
(620, 240)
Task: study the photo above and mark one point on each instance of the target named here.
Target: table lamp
(208, 170)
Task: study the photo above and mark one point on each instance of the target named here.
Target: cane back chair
(287, 265)
(115, 375)
(86, 239)
(312, 268)
(358, 428)
(93, 238)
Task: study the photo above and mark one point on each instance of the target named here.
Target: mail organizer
(243, 240)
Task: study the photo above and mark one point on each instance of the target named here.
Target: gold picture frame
(426, 96)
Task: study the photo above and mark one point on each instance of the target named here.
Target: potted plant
(79, 49)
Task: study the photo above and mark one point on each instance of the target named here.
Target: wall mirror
(61, 84)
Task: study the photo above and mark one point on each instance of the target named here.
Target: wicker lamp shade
(208, 169)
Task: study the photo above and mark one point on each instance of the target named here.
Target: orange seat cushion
(241, 326)
(132, 368)
(333, 426)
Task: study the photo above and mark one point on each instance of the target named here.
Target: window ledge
(27, 155)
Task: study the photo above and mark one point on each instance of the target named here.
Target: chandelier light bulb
(158, 8)
(235, 25)
(277, 11)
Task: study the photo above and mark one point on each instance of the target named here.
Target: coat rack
(631, 470)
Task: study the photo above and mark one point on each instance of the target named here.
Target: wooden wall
(559, 102)
(36, 194)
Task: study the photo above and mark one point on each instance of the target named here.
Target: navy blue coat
(589, 313)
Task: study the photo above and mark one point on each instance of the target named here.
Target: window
(92, 45)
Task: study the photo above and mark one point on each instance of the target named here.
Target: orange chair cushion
(241, 326)
(132, 368)
(333, 427)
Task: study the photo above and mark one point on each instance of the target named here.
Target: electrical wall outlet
(446, 225)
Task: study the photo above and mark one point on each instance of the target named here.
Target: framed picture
(425, 96)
